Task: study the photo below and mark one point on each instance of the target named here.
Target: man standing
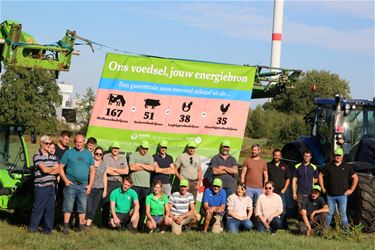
(78, 179)
(268, 209)
(313, 212)
(304, 177)
(117, 166)
(141, 166)
(224, 166)
(189, 167)
(335, 180)
(279, 173)
(46, 167)
(164, 167)
(182, 208)
(124, 206)
(62, 145)
(91, 145)
(214, 200)
(254, 173)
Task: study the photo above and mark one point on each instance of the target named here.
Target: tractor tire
(361, 204)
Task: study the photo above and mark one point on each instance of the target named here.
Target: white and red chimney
(277, 33)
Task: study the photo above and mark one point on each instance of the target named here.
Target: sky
(337, 36)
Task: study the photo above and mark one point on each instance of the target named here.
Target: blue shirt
(77, 164)
(305, 176)
(213, 199)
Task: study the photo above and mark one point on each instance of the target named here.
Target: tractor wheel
(361, 204)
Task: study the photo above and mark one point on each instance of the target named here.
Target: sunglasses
(47, 143)
(215, 186)
(144, 148)
(268, 188)
(191, 160)
(98, 154)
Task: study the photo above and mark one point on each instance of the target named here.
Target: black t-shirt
(278, 174)
(337, 179)
(163, 163)
(311, 205)
(59, 152)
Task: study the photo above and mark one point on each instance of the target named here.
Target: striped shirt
(180, 204)
(43, 179)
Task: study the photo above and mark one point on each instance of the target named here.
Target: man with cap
(141, 166)
(188, 167)
(214, 201)
(224, 166)
(313, 212)
(182, 208)
(164, 167)
(117, 167)
(338, 180)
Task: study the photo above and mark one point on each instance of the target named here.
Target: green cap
(184, 183)
(316, 187)
(339, 151)
(163, 144)
(145, 144)
(115, 144)
(226, 143)
(192, 144)
(217, 182)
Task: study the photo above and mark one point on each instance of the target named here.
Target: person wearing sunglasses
(46, 167)
(188, 167)
(117, 166)
(268, 210)
(164, 167)
(99, 188)
(214, 200)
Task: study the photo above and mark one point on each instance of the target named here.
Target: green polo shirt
(157, 206)
(123, 200)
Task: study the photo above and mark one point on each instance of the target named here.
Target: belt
(78, 182)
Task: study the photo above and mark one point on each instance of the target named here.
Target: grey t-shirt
(120, 163)
(188, 165)
(141, 178)
(228, 180)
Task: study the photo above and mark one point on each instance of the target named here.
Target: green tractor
(349, 124)
(16, 183)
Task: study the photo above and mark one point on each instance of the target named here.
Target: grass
(17, 237)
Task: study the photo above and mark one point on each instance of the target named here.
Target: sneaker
(66, 230)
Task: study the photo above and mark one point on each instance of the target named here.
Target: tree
(299, 99)
(28, 97)
(84, 106)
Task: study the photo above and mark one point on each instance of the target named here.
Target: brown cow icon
(116, 99)
(152, 102)
(186, 106)
(223, 108)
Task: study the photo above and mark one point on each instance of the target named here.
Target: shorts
(157, 218)
(75, 193)
(124, 218)
(177, 229)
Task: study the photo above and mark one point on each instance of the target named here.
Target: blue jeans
(75, 193)
(275, 224)
(253, 193)
(341, 201)
(234, 225)
(228, 191)
(43, 207)
(93, 202)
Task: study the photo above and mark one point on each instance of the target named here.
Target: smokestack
(276, 33)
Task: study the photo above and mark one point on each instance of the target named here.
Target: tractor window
(16, 154)
(360, 123)
(371, 122)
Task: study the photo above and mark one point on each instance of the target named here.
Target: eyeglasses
(191, 160)
(268, 188)
(47, 143)
(98, 154)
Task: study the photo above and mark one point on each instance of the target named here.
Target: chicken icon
(223, 108)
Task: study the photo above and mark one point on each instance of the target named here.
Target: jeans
(284, 216)
(275, 224)
(233, 225)
(341, 201)
(93, 201)
(43, 207)
(142, 193)
(75, 193)
(253, 193)
(228, 191)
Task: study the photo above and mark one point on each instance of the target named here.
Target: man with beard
(62, 145)
(224, 166)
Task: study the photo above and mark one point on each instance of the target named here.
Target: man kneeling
(313, 212)
(122, 200)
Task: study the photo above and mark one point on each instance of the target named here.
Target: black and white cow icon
(116, 99)
(152, 102)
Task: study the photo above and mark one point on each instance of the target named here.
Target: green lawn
(17, 237)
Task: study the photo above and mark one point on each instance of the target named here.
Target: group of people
(136, 191)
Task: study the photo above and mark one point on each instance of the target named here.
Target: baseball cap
(226, 143)
(217, 182)
(317, 188)
(184, 183)
(163, 143)
(145, 144)
(192, 144)
(339, 151)
(115, 144)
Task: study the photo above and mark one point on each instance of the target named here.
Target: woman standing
(99, 188)
(156, 207)
(240, 209)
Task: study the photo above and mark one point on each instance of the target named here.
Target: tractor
(350, 125)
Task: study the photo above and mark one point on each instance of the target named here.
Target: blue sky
(333, 35)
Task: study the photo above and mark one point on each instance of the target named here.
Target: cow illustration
(152, 102)
(118, 100)
(223, 108)
(186, 106)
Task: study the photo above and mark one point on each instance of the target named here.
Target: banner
(149, 98)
